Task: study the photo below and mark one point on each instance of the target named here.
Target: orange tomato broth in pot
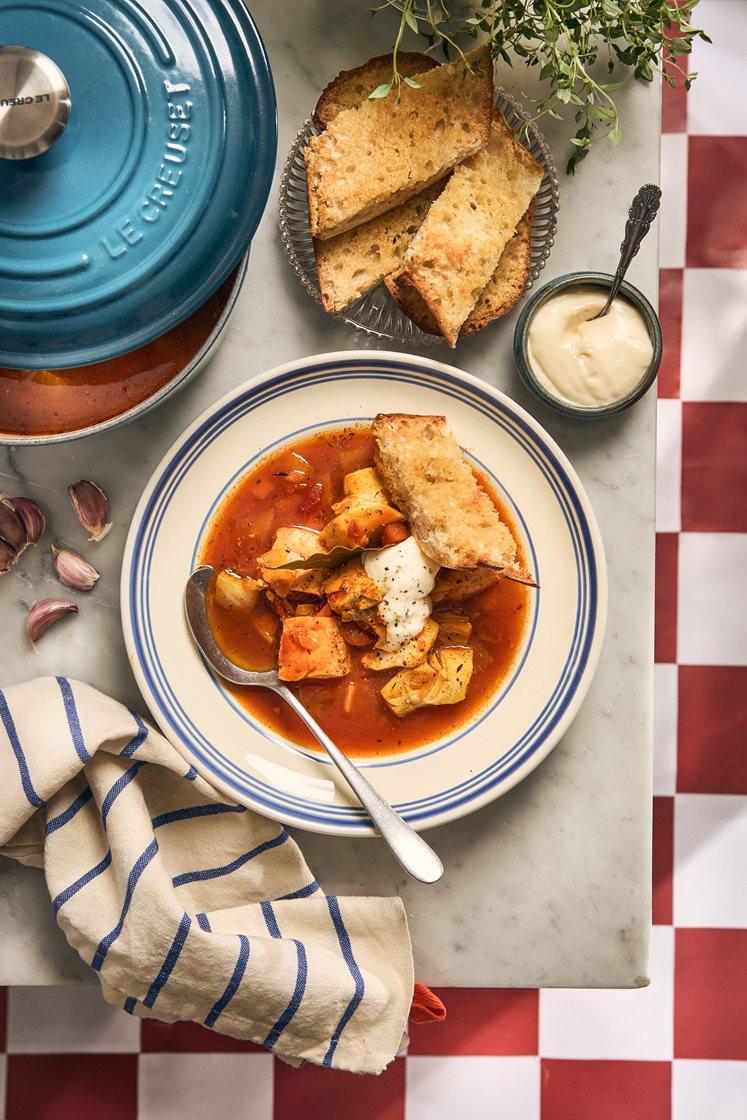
(50, 402)
(357, 718)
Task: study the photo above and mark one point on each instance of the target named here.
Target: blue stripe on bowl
(240, 773)
(169, 708)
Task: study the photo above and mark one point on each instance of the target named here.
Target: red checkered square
(313, 1092)
(670, 315)
(674, 104)
(606, 1090)
(497, 1021)
(714, 466)
(663, 860)
(717, 234)
(710, 994)
(190, 1038)
(711, 755)
(64, 1086)
(666, 597)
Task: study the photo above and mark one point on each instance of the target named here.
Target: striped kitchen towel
(188, 906)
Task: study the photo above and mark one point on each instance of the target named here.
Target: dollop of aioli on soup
(408, 576)
(586, 361)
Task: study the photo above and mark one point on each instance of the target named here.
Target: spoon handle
(643, 210)
(417, 857)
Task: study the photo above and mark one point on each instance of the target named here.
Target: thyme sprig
(565, 39)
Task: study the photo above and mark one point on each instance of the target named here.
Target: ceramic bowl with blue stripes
(438, 781)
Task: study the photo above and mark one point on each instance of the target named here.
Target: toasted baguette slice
(508, 283)
(354, 262)
(372, 158)
(502, 292)
(429, 478)
(350, 87)
(457, 249)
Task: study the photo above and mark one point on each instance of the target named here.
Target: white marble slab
(549, 885)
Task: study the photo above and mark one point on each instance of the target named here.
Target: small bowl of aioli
(581, 366)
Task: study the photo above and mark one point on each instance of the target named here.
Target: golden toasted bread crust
(458, 247)
(350, 87)
(411, 303)
(501, 294)
(376, 156)
(351, 264)
(509, 281)
(430, 479)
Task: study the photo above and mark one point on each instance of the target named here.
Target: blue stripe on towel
(120, 784)
(270, 920)
(67, 814)
(67, 894)
(216, 872)
(355, 972)
(129, 1004)
(72, 719)
(10, 730)
(191, 774)
(139, 867)
(203, 923)
(138, 738)
(295, 1001)
(171, 958)
(233, 983)
(302, 892)
(195, 811)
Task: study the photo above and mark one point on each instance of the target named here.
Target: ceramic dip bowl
(602, 280)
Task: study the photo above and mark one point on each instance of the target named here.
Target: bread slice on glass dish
(351, 87)
(355, 262)
(430, 479)
(500, 295)
(457, 249)
(382, 153)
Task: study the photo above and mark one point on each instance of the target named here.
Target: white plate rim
(440, 371)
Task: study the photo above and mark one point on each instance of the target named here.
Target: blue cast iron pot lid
(155, 174)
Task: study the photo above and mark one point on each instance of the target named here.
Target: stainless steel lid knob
(34, 102)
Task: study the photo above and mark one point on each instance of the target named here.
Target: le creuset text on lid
(137, 146)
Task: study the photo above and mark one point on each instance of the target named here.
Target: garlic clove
(12, 528)
(8, 557)
(32, 517)
(73, 570)
(91, 506)
(44, 614)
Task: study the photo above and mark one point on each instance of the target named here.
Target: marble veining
(550, 885)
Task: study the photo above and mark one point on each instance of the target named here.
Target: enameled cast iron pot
(137, 147)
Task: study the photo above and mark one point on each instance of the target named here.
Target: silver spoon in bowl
(643, 210)
(417, 857)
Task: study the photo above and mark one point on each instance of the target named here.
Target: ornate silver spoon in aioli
(417, 857)
(643, 210)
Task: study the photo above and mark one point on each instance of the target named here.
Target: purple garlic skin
(22, 522)
(73, 569)
(32, 517)
(12, 527)
(8, 557)
(44, 614)
(91, 507)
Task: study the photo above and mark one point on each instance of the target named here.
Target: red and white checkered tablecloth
(678, 1049)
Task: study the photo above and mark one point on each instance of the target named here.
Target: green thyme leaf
(381, 91)
(566, 39)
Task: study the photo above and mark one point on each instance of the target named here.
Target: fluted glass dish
(375, 314)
